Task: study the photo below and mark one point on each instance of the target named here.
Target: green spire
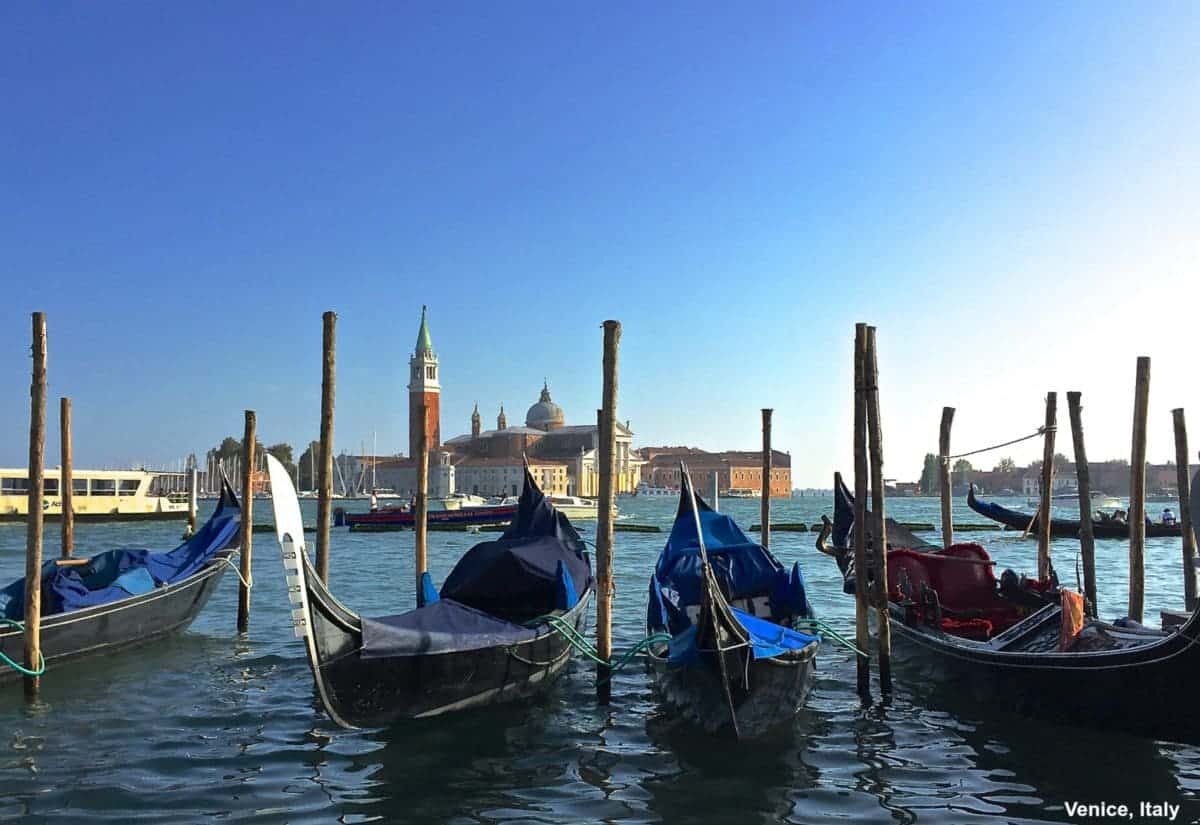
(424, 342)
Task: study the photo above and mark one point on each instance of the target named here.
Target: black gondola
(734, 662)
(1009, 644)
(484, 639)
(1064, 527)
(122, 598)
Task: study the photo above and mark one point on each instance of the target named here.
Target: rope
(577, 640)
(946, 459)
(24, 671)
(229, 560)
(822, 627)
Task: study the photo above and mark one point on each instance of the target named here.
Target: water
(212, 726)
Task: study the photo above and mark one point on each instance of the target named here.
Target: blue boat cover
(517, 576)
(119, 574)
(743, 569)
(444, 626)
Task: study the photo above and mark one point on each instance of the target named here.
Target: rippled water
(209, 725)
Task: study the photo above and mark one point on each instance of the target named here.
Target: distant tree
(283, 454)
(931, 477)
(309, 459)
(1060, 461)
(962, 466)
(1006, 465)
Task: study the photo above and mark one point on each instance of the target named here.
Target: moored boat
(1062, 527)
(1028, 645)
(403, 518)
(650, 491)
(489, 636)
(734, 662)
(122, 598)
(97, 495)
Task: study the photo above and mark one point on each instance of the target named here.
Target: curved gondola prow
(289, 531)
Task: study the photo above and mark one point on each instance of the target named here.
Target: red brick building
(735, 470)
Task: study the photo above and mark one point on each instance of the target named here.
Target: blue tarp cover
(445, 626)
(118, 574)
(743, 569)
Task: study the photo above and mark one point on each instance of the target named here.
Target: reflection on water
(207, 725)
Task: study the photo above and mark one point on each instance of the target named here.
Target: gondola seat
(964, 583)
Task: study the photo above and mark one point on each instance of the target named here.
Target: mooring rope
(1040, 432)
(577, 641)
(24, 671)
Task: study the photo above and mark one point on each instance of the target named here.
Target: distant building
(490, 460)
(732, 470)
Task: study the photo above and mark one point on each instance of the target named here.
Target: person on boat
(374, 501)
(1168, 517)
(1119, 515)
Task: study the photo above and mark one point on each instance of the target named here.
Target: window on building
(429, 372)
(14, 486)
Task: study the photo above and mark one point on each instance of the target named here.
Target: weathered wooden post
(765, 505)
(1137, 492)
(193, 503)
(1185, 510)
(947, 490)
(66, 478)
(862, 634)
(1044, 518)
(883, 627)
(325, 478)
(1087, 541)
(33, 522)
(248, 439)
(604, 525)
(716, 491)
(421, 511)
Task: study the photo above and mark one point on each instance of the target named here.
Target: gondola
(1063, 527)
(122, 598)
(734, 663)
(1027, 645)
(484, 639)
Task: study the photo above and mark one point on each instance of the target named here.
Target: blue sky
(1010, 192)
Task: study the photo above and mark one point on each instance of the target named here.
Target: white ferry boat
(645, 489)
(742, 492)
(572, 507)
(99, 495)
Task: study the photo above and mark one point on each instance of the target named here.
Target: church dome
(545, 414)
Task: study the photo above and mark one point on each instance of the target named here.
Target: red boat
(402, 518)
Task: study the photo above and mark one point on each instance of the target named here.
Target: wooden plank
(606, 456)
(33, 522)
(862, 635)
(66, 478)
(883, 626)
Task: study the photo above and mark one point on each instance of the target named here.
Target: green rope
(580, 643)
(821, 626)
(24, 671)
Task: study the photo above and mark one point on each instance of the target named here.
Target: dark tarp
(118, 574)
(517, 576)
(445, 626)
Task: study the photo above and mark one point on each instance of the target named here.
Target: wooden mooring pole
(946, 489)
(1087, 540)
(1184, 481)
(862, 635)
(883, 627)
(421, 512)
(33, 522)
(1137, 492)
(325, 472)
(66, 478)
(765, 505)
(193, 501)
(604, 524)
(248, 439)
(1047, 486)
